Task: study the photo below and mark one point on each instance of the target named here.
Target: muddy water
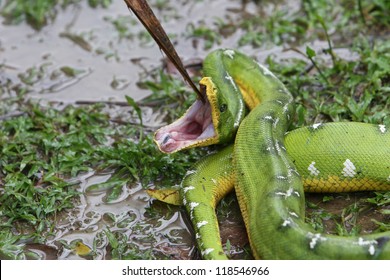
(126, 215)
(101, 56)
(107, 65)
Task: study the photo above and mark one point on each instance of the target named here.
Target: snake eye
(222, 108)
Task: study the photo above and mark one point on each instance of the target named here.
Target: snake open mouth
(194, 128)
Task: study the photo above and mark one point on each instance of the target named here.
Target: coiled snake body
(269, 168)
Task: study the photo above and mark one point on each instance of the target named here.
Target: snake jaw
(194, 128)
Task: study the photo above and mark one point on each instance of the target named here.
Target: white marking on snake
(265, 70)
(184, 201)
(207, 251)
(197, 236)
(186, 189)
(313, 170)
(230, 79)
(316, 125)
(388, 179)
(288, 193)
(349, 169)
(382, 128)
(240, 113)
(268, 118)
(277, 147)
(293, 170)
(201, 224)
(229, 53)
(276, 122)
(189, 172)
(193, 205)
(285, 108)
(314, 239)
(370, 243)
(293, 214)
(286, 222)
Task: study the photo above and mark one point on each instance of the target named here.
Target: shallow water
(94, 215)
(101, 56)
(107, 58)
(108, 66)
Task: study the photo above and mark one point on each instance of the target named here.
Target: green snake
(268, 167)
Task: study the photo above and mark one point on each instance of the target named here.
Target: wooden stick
(145, 14)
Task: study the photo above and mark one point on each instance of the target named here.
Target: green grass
(355, 90)
(39, 13)
(349, 214)
(40, 150)
(43, 150)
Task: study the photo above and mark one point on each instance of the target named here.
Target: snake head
(214, 122)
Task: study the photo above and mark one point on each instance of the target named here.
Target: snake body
(269, 168)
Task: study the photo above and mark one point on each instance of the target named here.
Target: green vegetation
(354, 90)
(39, 13)
(43, 149)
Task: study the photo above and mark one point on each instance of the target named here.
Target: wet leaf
(114, 193)
(310, 52)
(385, 211)
(135, 106)
(81, 249)
(112, 239)
(71, 72)
(167, 195)
(105, 186)
(78, 40)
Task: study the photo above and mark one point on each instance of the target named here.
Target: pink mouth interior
(196, 125)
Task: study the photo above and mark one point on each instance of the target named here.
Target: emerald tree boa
(270, 167)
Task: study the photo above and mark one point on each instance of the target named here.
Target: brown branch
(145, 14)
